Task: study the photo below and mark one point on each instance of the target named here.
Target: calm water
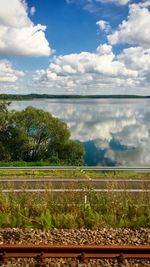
(113, 132)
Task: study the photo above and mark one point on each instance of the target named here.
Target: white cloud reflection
(118, 130)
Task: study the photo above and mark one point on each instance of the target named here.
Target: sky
(75, 46)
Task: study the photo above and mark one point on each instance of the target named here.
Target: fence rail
(61, 190)
(81, 252)
(80, 168)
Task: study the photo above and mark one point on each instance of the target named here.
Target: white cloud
(32, 10)
(136, 138)
(18, 34)
(103, 25)
(7, 73)
(90, 2)
(133, 135)
(104, 119)
(104, 49)
(118, 2)
(85, 70)
(138, 59)
(135, 30)
(146, 3)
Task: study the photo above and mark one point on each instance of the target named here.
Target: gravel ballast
(102, 236)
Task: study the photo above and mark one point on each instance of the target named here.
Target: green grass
(62, 174)
(73, 174)
(23, 163)
(49, 210)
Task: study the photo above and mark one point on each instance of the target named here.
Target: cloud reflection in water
(113, 131)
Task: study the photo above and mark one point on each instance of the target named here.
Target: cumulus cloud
(104, 49)
(135, 30)
(118, 2)
(18, 34)
(103, 25)
(7, 73)
(32, 10)
(90, 2)
(137, 58)
(94, 6)
(86, 69)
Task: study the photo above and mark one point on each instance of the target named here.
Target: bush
(33, 135)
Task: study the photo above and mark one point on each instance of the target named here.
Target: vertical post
(85, 200)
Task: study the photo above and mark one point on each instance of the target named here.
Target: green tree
(33, 135)
(4, 106)
(13, 139)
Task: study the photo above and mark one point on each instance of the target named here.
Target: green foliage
(49, 210)
(46, 96)
(35, 135)
(22, 163)
(14, 97)
(45, 219)
(91, 217)
(3, 106)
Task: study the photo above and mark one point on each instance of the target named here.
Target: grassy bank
(24, 163)
(49, 210)
(79, 173)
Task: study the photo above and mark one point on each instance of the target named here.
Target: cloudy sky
(75, 46)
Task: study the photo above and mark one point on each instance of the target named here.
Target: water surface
(113, 131)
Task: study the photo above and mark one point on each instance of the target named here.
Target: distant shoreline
(46, 96)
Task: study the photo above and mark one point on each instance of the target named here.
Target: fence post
(85, 200)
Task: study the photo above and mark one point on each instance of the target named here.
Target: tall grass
(49, 210)
(77, 173)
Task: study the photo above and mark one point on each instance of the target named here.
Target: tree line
(43, 96)
(35, 135)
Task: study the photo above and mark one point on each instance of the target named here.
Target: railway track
(82, 253)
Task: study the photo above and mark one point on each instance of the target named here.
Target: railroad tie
(40, 260)
(121, 261)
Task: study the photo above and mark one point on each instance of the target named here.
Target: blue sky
(75, 46)
(71, 28)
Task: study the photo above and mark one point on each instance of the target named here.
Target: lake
(114, 132)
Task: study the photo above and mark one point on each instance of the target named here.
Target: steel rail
(81, 252)
(79, 168)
